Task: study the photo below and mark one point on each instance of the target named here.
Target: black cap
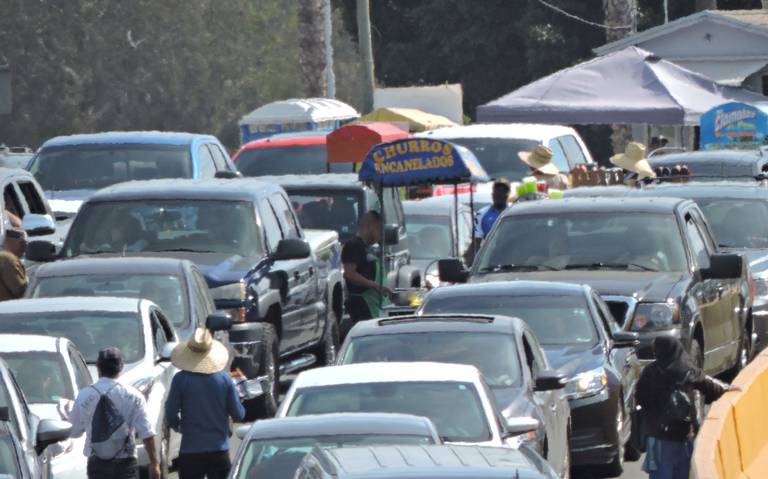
(110, 359)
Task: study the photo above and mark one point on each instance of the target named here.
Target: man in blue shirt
(202, 399)
(486, 217)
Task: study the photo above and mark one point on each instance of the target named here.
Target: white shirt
(127, 400)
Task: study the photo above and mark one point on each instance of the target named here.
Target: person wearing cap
(540, 162)
(202, 399)
(13, 275)
(131, 405)
(634, 162)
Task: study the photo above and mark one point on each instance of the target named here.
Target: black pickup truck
(653, 260)
(244, 236)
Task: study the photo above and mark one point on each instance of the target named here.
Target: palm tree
(312, 47)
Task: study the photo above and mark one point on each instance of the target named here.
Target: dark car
(581, 341)
(738, 215)
(245, 238)
(424, 462)
(653, 260)
(504, 349)
(718, 164)
(274, 448)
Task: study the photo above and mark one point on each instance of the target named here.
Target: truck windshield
(737, 223)
(193, 226)
(287, 160)
(336, 210)
(91, 167)
(498, 156)
(629, 241)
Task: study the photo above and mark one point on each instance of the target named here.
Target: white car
(455, 397)
(50, 372)
(137, 326)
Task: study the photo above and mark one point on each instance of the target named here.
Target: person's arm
(234, 406)
(173, 405)
(77, 416)
(13, 219)
(154, 462)
(711, 388)
(13, 276)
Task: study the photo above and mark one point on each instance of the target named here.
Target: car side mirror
(292, 248)
(452, 271)
(50, 432)
(218, 322)
(723, 266)
(167, 351)
(391, 234)
(38, 225)
(40, 251)
(227, 175)
(625, 339)
(549, 381)
(516, 426)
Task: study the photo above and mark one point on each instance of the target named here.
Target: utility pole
(328, 25)
(366, 50)
(619, 14)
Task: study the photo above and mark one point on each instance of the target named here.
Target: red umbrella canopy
(350, 143)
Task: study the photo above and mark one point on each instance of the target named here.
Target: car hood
(69, 201)
(644, 286)
(573, 360)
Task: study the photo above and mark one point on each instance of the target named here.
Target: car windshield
(498, 156)
(90, 331)
(196, 226)
(91, 167)
(454, 407)
(429, 236)
(737, 223)
(617, 240)
(328, 209)
(167, 291)
(495, 355)
(43, 377)
(556, 320)
(9, 459)
(279, 458)
(287, 160)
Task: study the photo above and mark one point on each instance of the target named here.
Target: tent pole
(472, 213)
(456, 217)
(382, 241)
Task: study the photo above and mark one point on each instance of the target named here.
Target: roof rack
(476, 318)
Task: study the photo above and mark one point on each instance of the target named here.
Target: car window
(83, 377)
(270, 224)
(573, 149)
(559, 157)
(336, 210)
(737, 223)
(218, 157)
(609, 320)
(203, 297)
(286, 160)
(43, 376)
(32, 197)
(11, 201)
(288, 223)
(207, 167)
(391, 214)
(21, 412)
(531, 359)
(9, 458)
(465, 231)
(696, 242)
(498, 156)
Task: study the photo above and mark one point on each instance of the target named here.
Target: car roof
(531, 131)
(113, 265)
(434, 323)
(235, 189)
(427, 462)
(386, 373)
(341, 423)
(127, 137)
(512, 288)
(283, 141)
(616, 205)
(590, 191)
(5, 172)
(323, 181)
(435, 205)
(22, 343)
(743, 157)
(720, 189)
(70, 303)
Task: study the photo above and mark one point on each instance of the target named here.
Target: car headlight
(655, 316)
(586, 384)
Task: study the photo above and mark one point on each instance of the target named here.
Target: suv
(245, 237)
(23, 197)
(71, 168)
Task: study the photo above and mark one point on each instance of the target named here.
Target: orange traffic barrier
(733, 441)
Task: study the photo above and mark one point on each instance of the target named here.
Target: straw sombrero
(201, 354)
(633, 159)
(539, 159)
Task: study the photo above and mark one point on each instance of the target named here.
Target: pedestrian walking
(540, 162)
(13, 275)
(200, 403)
(363, 272)
(111, 414)
(665, 392)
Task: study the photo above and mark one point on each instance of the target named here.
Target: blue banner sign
(734, 126)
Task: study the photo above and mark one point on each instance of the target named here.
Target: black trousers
(112, 469)
(357, 309)
(211, 465)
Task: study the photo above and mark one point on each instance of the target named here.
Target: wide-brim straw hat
(540, 159)
(201, 354)
(633, 159)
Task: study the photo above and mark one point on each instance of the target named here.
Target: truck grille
(622, 308)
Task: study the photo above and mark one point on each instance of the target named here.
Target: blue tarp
(420, 161)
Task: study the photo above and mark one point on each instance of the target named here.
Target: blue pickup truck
(282, 285)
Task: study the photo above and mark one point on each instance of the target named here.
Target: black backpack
(110, 434)
(678, 408)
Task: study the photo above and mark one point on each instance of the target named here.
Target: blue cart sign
(420, 161)
(734, 126)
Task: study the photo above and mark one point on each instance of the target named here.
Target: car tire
(328, 348)
(266, 405)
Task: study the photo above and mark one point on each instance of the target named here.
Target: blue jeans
(668, 459)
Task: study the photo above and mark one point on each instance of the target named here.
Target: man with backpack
(111, 414)
(665, 392)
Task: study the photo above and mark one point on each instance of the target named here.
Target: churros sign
(413, 155)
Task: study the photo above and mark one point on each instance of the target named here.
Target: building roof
(127, 137)
(235, 189)
(393, 372)
(615, 205)
(70, 304)
(526, 131)
(114, 266)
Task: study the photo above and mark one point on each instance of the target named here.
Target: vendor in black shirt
(360, 270)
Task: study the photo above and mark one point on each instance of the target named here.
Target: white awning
(724, 71)
(300, 110)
